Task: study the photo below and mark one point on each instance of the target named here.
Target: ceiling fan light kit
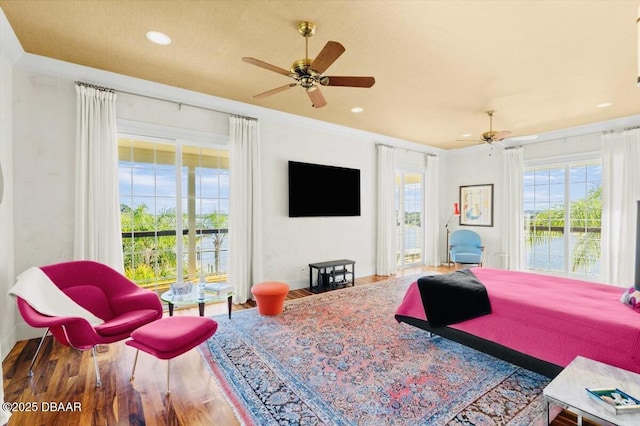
(309, 73)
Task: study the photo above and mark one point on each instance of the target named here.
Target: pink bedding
(550, 318)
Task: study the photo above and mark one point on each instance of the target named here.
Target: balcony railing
(574, 229)
(211, 274)
(171, 233)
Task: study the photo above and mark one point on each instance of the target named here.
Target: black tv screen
(319, 190)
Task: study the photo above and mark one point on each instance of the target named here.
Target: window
(170, 188)
(409, 218)
(562, 218)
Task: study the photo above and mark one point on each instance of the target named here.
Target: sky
(545, 187)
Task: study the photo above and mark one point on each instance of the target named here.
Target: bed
(541, 322)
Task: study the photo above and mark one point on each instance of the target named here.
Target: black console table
(331, 275)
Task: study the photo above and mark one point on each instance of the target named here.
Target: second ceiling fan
(492, 135)
(309, 73)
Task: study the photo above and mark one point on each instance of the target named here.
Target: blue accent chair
(466, 248)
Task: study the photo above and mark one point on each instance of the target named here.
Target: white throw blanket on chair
(37, 289)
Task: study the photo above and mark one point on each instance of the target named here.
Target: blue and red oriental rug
(340, 358)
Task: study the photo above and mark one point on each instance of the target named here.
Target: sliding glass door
(562, 218)
(174, 208)
(409, 214)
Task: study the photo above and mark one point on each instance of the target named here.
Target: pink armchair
(107, 294)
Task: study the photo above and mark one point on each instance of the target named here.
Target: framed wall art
(476, 205)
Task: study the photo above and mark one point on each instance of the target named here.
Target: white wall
(44, 135)
(44, 118)
(290, 244)
(476, 166)
(162, 117)
(7, 274)
(568, 146)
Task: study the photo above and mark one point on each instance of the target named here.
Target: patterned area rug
(340, 358)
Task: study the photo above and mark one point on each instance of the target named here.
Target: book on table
(614, 400)
(218, 288)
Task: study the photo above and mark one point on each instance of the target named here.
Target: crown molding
(10, 46)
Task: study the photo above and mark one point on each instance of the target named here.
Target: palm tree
(219, 222)
(586, 216)
(149, 257)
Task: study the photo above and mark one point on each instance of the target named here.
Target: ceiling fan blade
(317, 100)
(501, 135)
(274, 91)
(266, 66)
(327, 56)
(348, 81)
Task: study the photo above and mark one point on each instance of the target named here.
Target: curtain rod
(602, 132)
(181, 104)
(564, 138)
(407, 149)
(244, 117)
(93, 86)
(595, 132)
(624, 129)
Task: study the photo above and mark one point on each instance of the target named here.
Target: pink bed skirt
(550, 318)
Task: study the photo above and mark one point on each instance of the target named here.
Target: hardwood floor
(62, 390)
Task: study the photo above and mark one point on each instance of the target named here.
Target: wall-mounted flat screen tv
(320, 190)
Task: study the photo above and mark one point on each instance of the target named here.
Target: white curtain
(620, 192)
(4, 414)
(245, 223)
(386, 227)
(97, 210)
(512, 225)
(431, 211)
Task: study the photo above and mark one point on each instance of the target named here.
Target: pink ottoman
(270, 296)
(169, 337)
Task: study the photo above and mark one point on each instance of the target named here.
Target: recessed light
(158, 38)
(357, 109)
(466, 135)
(604, 105)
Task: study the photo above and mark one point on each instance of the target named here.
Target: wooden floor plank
(65, 375)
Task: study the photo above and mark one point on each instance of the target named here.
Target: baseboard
(26, 332)
(7, 343)
(298, 284)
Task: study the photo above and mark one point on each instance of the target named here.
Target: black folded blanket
(453, 298)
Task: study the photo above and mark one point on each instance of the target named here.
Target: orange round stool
(270, 296)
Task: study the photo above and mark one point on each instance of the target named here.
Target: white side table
(568, 390)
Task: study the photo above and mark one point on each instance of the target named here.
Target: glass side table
(198, 296)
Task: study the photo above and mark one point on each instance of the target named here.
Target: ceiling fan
(493, 136)
(309, 73)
